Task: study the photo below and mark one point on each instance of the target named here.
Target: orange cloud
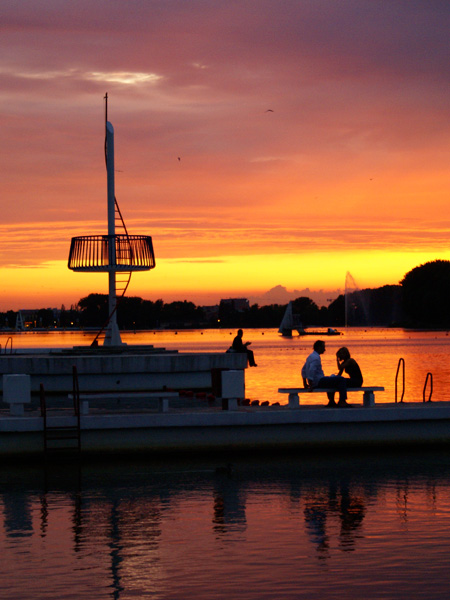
(348, 168)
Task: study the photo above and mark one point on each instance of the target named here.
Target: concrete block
(16, 389)
(294, 401)
(229, 404)
(233, 384)
(16, 392)
(163, 404)
(368, 399)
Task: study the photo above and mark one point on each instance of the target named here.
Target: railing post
(10, 341)
(42, 401)
(401, 363)
(43, 413)
(430, 378)
(75, 391)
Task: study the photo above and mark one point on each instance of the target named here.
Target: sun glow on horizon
(52, 284)
(253, 161)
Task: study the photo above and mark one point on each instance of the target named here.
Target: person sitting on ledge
(240, 346)
(313, 376)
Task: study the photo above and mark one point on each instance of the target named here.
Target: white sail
(289, 322)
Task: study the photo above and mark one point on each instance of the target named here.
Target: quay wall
(249, 430)
(119, 372)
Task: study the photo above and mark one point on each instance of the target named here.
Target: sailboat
(289, 322)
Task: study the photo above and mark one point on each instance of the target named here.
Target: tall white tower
(112, 253)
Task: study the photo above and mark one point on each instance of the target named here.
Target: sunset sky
(313, 138)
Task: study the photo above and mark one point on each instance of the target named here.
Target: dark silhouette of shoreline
(419, 301)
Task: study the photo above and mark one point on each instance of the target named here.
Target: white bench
(162, 397)
(294, 401)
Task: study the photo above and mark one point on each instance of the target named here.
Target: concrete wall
(249, 429)
(124, 372)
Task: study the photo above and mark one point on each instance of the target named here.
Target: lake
(254, 527)
(280, 359)
(275, 527)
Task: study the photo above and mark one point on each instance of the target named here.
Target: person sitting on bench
(349, 365)
(313, 376)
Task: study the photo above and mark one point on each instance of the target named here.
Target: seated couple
(313, 376)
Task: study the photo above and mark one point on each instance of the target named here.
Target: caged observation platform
(106, 253)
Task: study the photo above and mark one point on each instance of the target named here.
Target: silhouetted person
(348, 365)
(313, 376)
(240, 346)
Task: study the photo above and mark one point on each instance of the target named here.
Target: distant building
(211, 312)
(237, 304)
(26, 318)
(32, 318)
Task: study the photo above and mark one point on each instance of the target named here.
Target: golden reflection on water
(305, 527)
(280, 359)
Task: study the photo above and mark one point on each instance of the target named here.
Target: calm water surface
(270, 528)
(277, 527)
(280, 359)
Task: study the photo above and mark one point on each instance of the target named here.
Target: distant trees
(182, 314)
(379, 307)
(8, 319)
(426, 295)
(385, 306)
(269, 315)
(336, 312)
(421, 300)
(135, 313)
(310, 313)
(368, 308)
(252, 316)
(68, 318)
(93, 310)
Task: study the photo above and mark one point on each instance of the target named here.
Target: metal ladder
(66, 437)
(428, 382)
(123, 253)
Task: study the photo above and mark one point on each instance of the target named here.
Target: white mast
(112, 336)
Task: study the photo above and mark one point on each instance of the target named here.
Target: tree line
(420, 300)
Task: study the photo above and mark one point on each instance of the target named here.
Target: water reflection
(141, 529)
(229, 503)
(338, 500)
(17, 514)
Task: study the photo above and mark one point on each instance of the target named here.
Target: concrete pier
(127, 369)
(249, 429)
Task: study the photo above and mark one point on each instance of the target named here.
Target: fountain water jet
(355, 303)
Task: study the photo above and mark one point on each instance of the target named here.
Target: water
(264, 527)
(280, 359)
(342, 527)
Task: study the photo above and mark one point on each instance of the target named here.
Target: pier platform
(248, 429)
(117, 369)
